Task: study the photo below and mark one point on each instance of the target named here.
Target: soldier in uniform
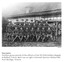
(34, 38)
(53, 29)
(24, 38)
(17, 39)
(45, 31)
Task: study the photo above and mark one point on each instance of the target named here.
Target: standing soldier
(45, 31)
(53, 29)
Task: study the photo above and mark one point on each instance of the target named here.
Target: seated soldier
(42, 37)
(24, 38)
(46, 39)
(30, 38)
(38, 31)
(9, 37)
(49, 33)
(21, 37)
(17, 39)
(38, 38)
(34, 38)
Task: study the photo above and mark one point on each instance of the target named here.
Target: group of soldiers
(30, 32)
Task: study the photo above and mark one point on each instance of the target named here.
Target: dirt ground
(32, 44)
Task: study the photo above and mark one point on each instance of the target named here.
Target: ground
(33, 44)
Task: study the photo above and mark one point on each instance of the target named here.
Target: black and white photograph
(32, 24)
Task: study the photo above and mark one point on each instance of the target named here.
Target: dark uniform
(17, 39)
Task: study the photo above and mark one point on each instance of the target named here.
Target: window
(58, 17)
(55, 17)
(26, 19)
(31, 20)
(46, 18)
(52, 18)
(22, 19)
